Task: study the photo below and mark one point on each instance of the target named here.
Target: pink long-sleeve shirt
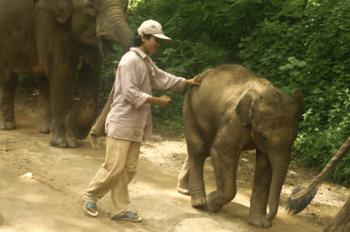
(130, 117)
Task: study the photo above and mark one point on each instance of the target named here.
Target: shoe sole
(122, 218)
(128, 220)
(88, 213)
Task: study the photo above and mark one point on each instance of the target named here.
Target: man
(129, 120)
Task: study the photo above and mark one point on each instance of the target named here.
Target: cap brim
(161, 36)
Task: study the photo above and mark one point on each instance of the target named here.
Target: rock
(27, 175)
(292, 174)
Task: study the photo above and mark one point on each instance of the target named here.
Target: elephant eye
(259, 136)
(263, 137)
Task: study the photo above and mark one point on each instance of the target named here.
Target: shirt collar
(139, 52)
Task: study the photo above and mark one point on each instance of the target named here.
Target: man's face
(151, 45)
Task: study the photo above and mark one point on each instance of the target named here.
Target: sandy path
(50, 201)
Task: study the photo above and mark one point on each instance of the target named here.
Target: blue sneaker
(90, 208)
(128, 216)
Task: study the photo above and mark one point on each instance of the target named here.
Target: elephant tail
(300, 198)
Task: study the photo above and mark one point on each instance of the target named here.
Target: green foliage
(312, 54)
(221, 23)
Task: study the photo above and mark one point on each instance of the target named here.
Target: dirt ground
(40, 189)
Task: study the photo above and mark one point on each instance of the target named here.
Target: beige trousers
(115, 174)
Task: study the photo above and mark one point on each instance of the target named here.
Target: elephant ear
(244, 108)
(61, 10)
(299, 97)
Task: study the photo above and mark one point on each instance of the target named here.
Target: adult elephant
(61, 42)
(302, 196)
(234, 110)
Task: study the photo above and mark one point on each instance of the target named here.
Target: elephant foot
(63, 141)
(7, 125)
(215, 201)
(259, 220)
(199, 201)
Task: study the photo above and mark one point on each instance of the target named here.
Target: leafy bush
(312, 54)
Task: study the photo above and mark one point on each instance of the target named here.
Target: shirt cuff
(140, 100)
(182, 83)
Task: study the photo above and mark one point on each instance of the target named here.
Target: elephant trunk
(279, 164)
(88, 80)
(85, 116)
(112, 24)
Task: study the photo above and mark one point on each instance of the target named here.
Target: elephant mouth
(89, 38)
(105, 45)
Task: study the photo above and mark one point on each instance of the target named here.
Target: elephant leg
(183, 179)
(196, 152)
(225, 172)
(341, 222)
(44, 105)
(62, 117)
(224, 155)
(260, 192)
(196, 157)
(8, 83)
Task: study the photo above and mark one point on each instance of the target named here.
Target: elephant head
(110, 23)
(272, 117)
(81, 14)
(83, 22)
(93, 24)
(105, 19)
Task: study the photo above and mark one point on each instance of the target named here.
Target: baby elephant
(231, 111)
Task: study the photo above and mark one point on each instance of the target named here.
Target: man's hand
(162, 101)
(192, 82)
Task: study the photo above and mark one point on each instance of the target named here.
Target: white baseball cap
(152, 27)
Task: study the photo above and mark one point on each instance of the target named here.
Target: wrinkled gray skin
(231, 111)
(62, 43)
